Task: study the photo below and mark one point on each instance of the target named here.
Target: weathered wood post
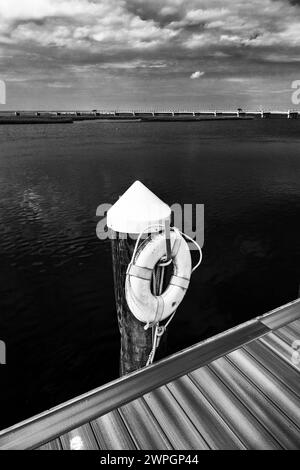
(133, 213)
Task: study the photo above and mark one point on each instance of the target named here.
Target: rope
(157, 330)
(197, 246)
(139, 239)
(155, 326)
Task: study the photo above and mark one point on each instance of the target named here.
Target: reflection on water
(31, 205)
(56, 300)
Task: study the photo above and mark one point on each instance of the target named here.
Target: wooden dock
(237, 390)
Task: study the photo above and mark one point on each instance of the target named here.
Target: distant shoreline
(19, 121)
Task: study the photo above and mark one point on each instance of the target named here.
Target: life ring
(145, 306)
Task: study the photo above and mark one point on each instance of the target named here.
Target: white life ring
(145, 306)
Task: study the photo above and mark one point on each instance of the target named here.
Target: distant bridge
(141, 113)
(290, 114)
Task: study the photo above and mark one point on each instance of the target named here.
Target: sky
(149, 54)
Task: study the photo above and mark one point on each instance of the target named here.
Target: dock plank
(294, 328)
(205, 418)
(53, 445)
(271, 361)
(145, 431)
(281, 348)
(286, 335)
(282, 316)
(179, 429)
(264, 410)
(275, 390)
(111, 432)
(80, 439)
(233, 411)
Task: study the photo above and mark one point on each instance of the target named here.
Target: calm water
(56, 296)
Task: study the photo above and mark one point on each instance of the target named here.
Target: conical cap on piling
(138, 209)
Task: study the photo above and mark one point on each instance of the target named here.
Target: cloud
(84, 41)
(59, 85)
(236, 79)
(197, 74)
(88, 29)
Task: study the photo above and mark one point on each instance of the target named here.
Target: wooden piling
(136, 343)
(133, 213)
